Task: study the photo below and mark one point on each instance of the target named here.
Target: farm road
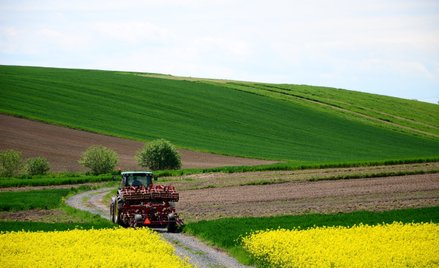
(197, 252)
(91, 201)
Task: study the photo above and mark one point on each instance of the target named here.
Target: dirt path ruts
(91, 201)
(197, 252)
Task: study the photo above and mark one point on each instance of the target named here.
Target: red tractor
(140, 203)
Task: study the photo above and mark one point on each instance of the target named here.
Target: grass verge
(77, 178)
(226, 233)
(11, 226)
(346, 177)
(54, 179)
(292, 166)
(49, 199)
(43, 199)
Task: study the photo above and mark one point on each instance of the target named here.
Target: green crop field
(53, 179)
(399, 114)
(226, 233)
(47, 199)
(217, 116)
(44, 199)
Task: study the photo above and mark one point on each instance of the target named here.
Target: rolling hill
(302, 124)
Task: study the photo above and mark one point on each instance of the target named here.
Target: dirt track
(308, 197)
(197, 253)
(64, 146)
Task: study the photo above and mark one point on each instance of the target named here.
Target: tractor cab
(136, 178)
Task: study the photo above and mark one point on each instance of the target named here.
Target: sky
(387, 47)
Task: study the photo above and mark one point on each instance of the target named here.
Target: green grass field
(206, 116)
(407, 116)
(43, 199)
(16, 226)
(225, 233)
(48, 199)
(53, 179)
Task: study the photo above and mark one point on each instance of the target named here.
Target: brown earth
(219, 179)
(328, 196)
(64, 146)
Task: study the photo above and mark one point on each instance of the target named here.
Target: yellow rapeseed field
(388, 245)
(87, 248)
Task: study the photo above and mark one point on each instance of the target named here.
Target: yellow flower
(388, 245)
(88, 248)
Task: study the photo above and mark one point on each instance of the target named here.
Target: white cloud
(132, 32)
(338, 43)
(62, 41)
(405, 68)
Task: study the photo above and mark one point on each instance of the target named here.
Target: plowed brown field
(63, 146)
(327, 196)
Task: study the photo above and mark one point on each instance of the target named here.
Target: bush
(37, 166)
(10, 163)
(99, 159)
(159, 155)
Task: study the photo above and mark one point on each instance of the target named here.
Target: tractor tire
(172, 227)
(112, 212)
(116, 214)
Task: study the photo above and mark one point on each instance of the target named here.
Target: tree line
(156, 155)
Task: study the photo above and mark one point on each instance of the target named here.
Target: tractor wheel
(112, 212)
(172, 227)
(116, 214)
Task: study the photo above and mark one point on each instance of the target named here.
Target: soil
(292, 198)
(63, 146)
(215, 180)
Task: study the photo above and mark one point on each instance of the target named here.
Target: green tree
(159, 155)
(10, 163)
(99, 159)
(37, 166)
